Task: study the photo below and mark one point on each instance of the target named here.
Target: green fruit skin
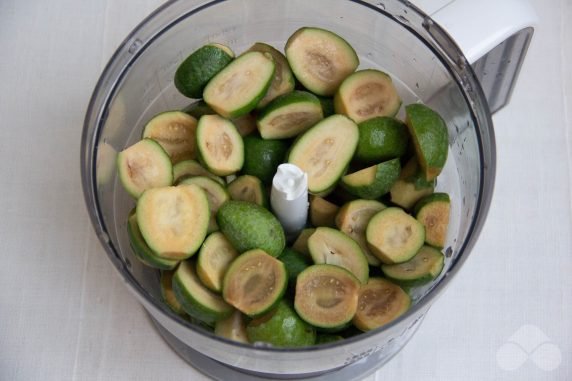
(386, 175)
(198, 109)
(293, 97)
(142, 251)
(434, 197)
(380, 139)
(198, 68)
(327, 106)
(430, 136)
(249, 226)
(262, 157)
(295, 263)
(419, 281)
(281, 327)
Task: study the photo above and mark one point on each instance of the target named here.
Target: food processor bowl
(391, 35)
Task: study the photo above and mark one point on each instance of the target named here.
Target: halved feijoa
(324, 152)
(411, 186)
(214, 257)
(283, 81)
(380, 302)
(433, 212)
(232, 328)
(173, 220)
(430, 137)
(144, 165)
(175, 131)
(301, 242)
(281, 327)
(168, 294)
(197, 300)
(289, 115)
(249, 226)
(381, 138)
(262, 157)
(237, 89)
(216, 195)
(142, 250)
(200, 67)
(372, 182)
(248, 188)
(320, 59)
(331, 246)
(352, 219)
(425, 266)
(394, 236)
(326, 296)
(254, 282)
(189, 168)
(322, 212)
(220, 145)
(366, 94)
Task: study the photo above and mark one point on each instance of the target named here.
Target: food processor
(412, 43)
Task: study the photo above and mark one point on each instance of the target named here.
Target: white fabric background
(65, 315)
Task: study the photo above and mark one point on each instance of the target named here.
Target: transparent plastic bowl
(391, 35)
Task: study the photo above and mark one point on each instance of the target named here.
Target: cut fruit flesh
(237, 89)
(352, 219)
(247, 188)
(216, 195)
(425, 266)
(190, 168)
(433, 212)
(213, 260)
(144, 165)
(320, 59)
(168, 294)
(324, 152)
(254, 282)
(220, 145)
(411, 186)
(232, 328)
(373, 182)
(142, 250)
(380, 302)
(175, 131)
(301, 243)
(173, 220)
(322, 212)
(326, 296)
(394, 236)
(366, 94)
(330, 246)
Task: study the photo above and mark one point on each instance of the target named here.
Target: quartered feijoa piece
(372, 182)
(433, 212)
(411, 185)
(213, 260)
(175, 131)
(322, 212)
(220, 146)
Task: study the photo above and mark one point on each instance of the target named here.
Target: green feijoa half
(248, 188)
(381, 138)
(380, 302)
(352, 219)
(173, 220)
(289, 115)
(200, 67)
(142, 250)
(430, 138)
(394, 236)
(249, 226)
(254, 282)
(295, 263)
(331, 246)
(372, 182)
(196, 299)
(320, 59)
(301, 242)
(216, 195)
(220, 146)
(283, 81)
(433, 212)
(322, 212)
(175, 131)
(262, 157)
(189, 168)
(366, 94)
(144, 165)
(411, 186)
(324, 152)
(168, 294)
(213, 260)
(326, 296)
(425, 266)
(282, 328)
(232, 328)
(198, 108)
(237, 89)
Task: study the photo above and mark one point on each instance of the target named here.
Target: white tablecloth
(65, 315)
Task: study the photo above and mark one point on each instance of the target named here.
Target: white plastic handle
(479, 25)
